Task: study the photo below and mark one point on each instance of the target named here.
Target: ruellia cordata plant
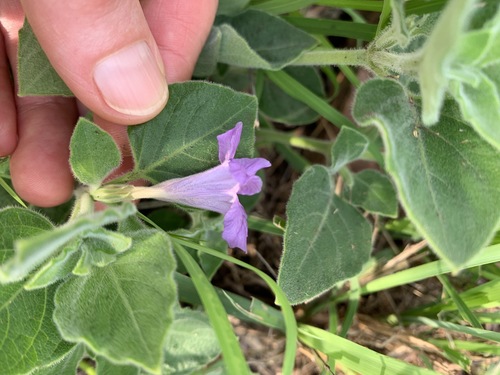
(106, 290)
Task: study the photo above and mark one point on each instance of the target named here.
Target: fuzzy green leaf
(33, 251)
(182, 139)
(326, 239)
(462, 56)
(255, 39)
(123, 311)
(398, 23)
(57, 268)
(437, 56)
(475, 79)
(191, 343)
(30, 338)
(227, 7)
(17, 222)
(349, 146)
(114, 242)
(66, 365)
(94, 253)
(480, 103)
(209, 55)
(94, 153)
(445, 175)
(105, 367)
(374, 192)
(36, 75)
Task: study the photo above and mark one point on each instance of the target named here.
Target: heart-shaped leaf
(326, 239)
(446, 175)
(123, 311)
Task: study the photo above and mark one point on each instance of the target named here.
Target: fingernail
(131, 81)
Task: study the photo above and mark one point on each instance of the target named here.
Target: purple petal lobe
(235, 227)
(228, 142)
(251, 165)
(252, 186)
(243, 170)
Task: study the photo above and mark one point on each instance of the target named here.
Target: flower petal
(235, 231)
(228, 142)
(243, 171)
(214, 189)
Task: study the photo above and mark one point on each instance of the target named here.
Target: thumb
(106, 54)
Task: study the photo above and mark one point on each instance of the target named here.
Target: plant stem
(320, 56)
(374, 6)
(346, 70)
(310, 144)
(84, 204)
(381, 62)
(404, 63)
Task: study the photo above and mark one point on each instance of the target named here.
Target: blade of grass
(233, 357)
(476, 347)
(492, 269)
(489, 317)
(234, 304)
(355, 15)
(287, 6)
(332, 77)
(481, 333)
(333, 322)
(298, 91)
(482, 296)
(11, 192)
(411, 7)
(419, 7)
(326, 27)
(280, 6)
(355, 357)
(352, 308)
(488, 255)
(464, 310)
(281, 300)
(264, 226)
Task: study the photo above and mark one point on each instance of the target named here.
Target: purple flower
(216, 189)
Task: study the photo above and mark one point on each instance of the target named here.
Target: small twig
(339, 185)
(404, 255)
(389, 240)
(376, 229)
(266, 264)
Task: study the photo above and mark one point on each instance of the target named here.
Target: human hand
(115, 55)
